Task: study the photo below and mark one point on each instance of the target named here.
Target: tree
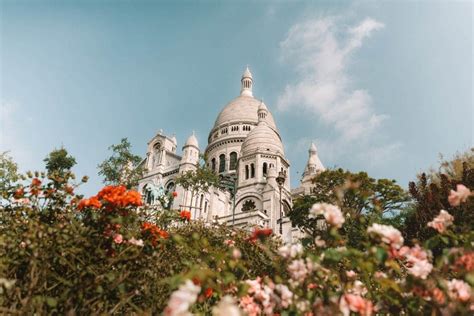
(59, 161)
(430, 193)
(8, 172)
(123, 167)
(361, 198)
(199, 180)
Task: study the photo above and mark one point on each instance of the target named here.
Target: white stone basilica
(244, 145)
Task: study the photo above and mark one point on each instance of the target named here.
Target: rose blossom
(229, 242)
(249, 306)
(460, 195)
(319, 242)
(136, 242)
(355, 303)
(417, 261)
(388, 234)
(442, 221)
(118, 238)
(290, 251)
(226, 307)
(236, 254)
(286, 295)
(182, 299)
(331, 213)
(459, 290)
(351, 274)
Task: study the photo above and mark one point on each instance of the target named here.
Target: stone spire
(314, 165)
(247, 82)
(262, 113)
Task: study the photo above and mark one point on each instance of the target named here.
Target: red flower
(208, 292)
(175, 194)
(19, 193)
(260, 234)
(35, 182)
(186, 215)
(92, 202)
(118, 196)
(69, 190)
(154, 232)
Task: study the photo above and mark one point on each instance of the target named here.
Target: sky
(384, 87)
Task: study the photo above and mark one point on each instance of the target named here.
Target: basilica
(245, 148)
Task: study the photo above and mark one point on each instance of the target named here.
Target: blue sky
(379, 86)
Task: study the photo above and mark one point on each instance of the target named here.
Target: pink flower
(388, 234)
(331, 213)
(226, 307)
(290, 251)
(298, 270)
(459, 290)
(249, 306)
(351, 274)
(118, 239)
(355, 303)
(286, 295)
(236, 254)
(442, 221)
(229, 242)
(416, 261)
(460, 195)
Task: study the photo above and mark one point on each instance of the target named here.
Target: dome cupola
(247, 82)
(192, 141)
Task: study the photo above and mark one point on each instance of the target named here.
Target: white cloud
(321, 52)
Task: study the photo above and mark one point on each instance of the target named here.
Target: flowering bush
(61, 253)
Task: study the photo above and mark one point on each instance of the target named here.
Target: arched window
(252, 170)
(170, 187)
(265, 167)
(222, 163)
(246, 171)
(213, 164)
(233, 161)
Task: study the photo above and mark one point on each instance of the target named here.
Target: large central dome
(241, 109)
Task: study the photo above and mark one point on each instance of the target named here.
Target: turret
(313, 166)
(247, 82)
(190, 154)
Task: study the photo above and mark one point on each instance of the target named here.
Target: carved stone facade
(244, 144)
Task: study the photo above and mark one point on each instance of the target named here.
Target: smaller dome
(262, 107)
(264, 139)
(192, 141)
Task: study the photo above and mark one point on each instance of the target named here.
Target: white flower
(226, 307)
(442, 221)
(459, 290)
(286, 295)
(298, 270)
(331, 213)
(136, 242)
(388, 234)
(182, 299)
(290, 251)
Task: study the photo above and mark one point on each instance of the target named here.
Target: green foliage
(430, 193)
(58, 257)
(199, 180)
(122, 167)
(59, 161)
(8, 172)
(361, 198)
